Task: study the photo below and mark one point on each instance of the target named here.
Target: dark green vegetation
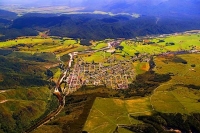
(144, 84)
(21, 69)
(21, 107)
(94, 26)
(7, 15)
(25, 96)
(166, 123)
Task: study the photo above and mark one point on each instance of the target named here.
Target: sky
(74, 2)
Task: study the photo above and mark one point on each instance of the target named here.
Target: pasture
(183, 73)
(100, 45)
(107, 113)
(59, 46)
(176, 95)
(181, 41)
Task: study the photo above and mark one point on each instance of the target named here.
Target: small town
(117, 75)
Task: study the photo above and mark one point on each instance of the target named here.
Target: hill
(7, 15)
(97, 27)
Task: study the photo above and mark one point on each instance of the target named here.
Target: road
(59, 95)
(46, 119)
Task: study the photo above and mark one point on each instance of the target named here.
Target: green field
(183, 73)
(182, 42)
(22, 106)
(107, 113)
(174, 96)
(59, 46)
(100, 45)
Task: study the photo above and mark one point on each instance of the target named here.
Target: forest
(93, 26)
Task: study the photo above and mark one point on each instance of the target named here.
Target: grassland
(107, 113)
(183, 73)
(21, 107)
(59, 46)
(96, 57)
(182, 42)
(100, 45)
(62, 46)
(173, 96)
(130, 48)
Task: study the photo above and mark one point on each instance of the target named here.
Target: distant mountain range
(7, 14)
(94, 26)
(156, 17)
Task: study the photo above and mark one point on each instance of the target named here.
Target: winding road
(58, 91)
(59, 94)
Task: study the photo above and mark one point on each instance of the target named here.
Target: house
(114, 44)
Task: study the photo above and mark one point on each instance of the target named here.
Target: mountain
(156, 17)
(7, 15)
(91, 26)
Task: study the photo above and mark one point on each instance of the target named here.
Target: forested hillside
(96, 27)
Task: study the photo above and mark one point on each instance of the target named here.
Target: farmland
(170, 97)
(107, 113)
(171, 87)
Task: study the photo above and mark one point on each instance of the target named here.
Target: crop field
(182, 42)
(97, 57)
(107, 113)
(100, 45)
(179, 100)
(183, 73)
(38, 44)
(175, 95)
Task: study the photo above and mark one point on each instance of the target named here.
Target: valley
(116, 82)
(99, 66)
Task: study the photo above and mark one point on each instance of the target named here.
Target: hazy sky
(74, 2)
